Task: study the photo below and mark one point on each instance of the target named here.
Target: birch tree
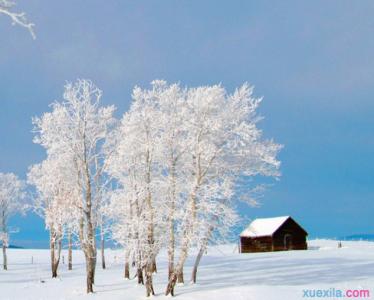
(77, 127)
(225, 145)
(53, 200)
(12, 196)
(173, 146)
(18, 18)
(71, 230)
(133, 165)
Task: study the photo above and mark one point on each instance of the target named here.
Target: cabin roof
(264, 227)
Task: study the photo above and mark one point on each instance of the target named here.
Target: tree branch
(18, 18)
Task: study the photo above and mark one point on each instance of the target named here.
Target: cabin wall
(289, 230)
(298, 243)
(260, 244)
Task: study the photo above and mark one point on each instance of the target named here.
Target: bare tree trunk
(95, 255)
(89, 241)
(150, 211)
(179, 269)
(127, 270)
(139, 274)
(90, 265)
(59, 249)
(171, 284)
(87, 247)
(203, 248)
(171, 266)
(127, 265)
(90, 271)
(180, 277)
(70, 252)
(5, 259)
(52, 249)
(171, 252)
(196, 265)
(154, 266)
(150, 267)
(149, 280)
(102, 250)
(4, 240)
(139, 270)
(171, 248)
(90, 255)
(189, 230)
(55, 253)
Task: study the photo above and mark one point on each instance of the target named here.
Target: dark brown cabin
(273, 234)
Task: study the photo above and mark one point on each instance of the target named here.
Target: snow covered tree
(172, 147)
(133, 165)
(224, 145)
(18, 18)
(76, 129)
(179, 156)
(12, 196)
(55, 194)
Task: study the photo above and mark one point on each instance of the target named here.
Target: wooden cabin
(273, 234)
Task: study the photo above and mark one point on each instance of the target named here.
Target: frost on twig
(18, 18)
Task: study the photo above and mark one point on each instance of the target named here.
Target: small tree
(12, 198)
(77, 129)
(55, 195)
(224, 145)
(140, 212)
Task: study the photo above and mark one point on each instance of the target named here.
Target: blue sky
(313, 61)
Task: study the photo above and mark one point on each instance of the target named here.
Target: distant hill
(14, 247)
(358, 237)
(29, 244)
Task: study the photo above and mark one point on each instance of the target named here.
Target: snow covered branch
(18, 18)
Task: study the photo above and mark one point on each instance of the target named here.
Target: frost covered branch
(18, 18)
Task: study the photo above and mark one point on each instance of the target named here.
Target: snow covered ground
(223, 274)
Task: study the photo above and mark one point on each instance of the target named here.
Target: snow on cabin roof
(264, 227)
